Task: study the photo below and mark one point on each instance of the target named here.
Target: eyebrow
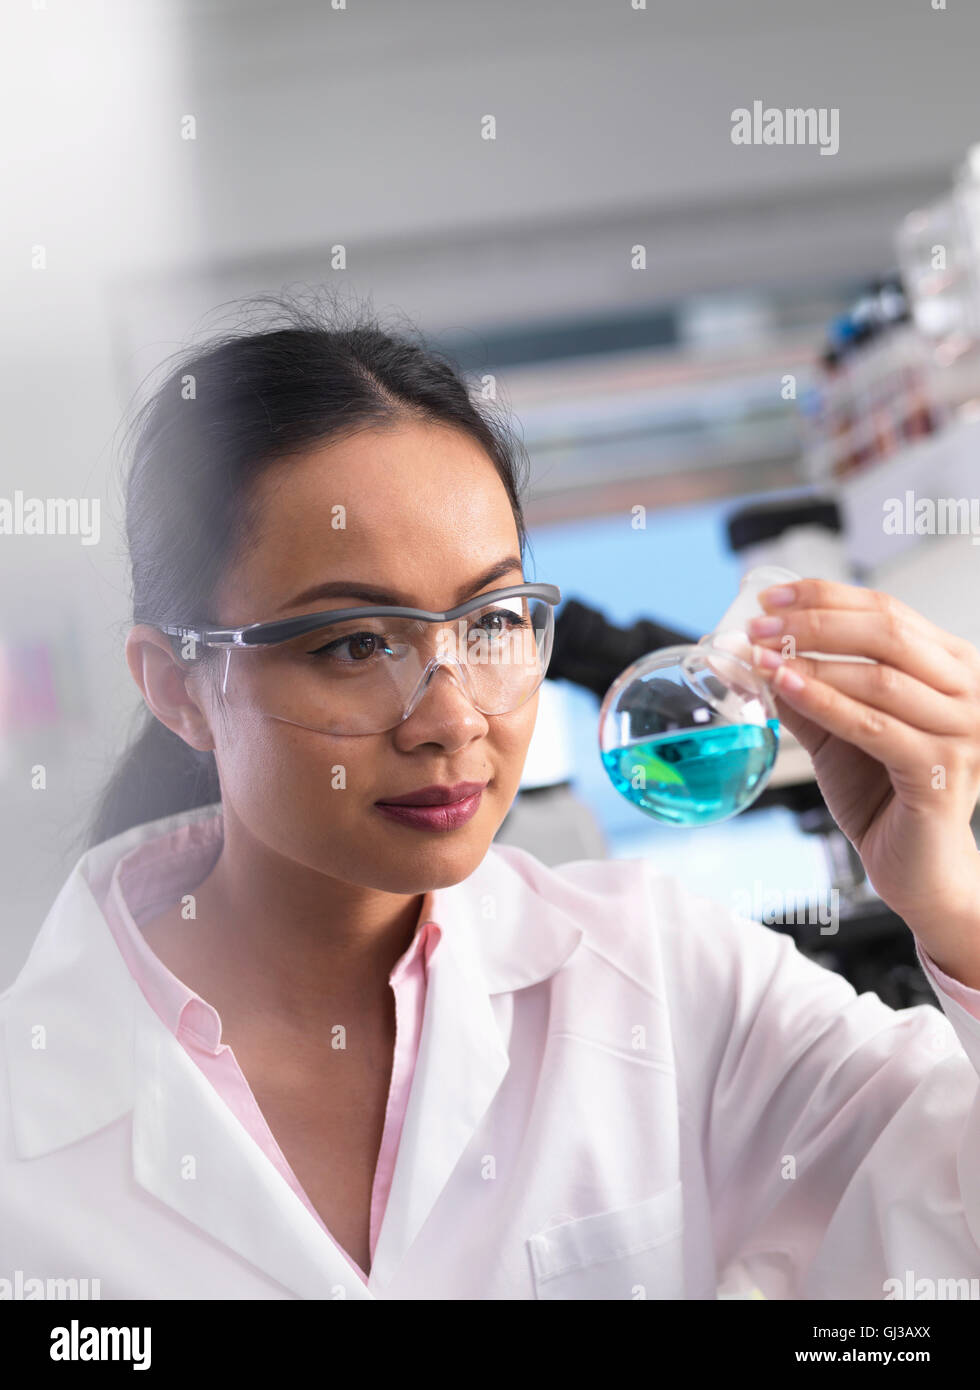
(373, 593)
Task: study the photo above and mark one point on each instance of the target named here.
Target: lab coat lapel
(461, 1063)
(68, 1024)
(191, 1152)
(497, 936)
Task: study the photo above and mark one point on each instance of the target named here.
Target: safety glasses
(364, 670)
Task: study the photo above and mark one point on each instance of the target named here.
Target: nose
(441, 708)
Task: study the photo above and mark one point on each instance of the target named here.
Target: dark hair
(225, 412)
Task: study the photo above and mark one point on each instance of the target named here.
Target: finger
(889, 690)
(828, 593)
(888, 740)
(870, 633)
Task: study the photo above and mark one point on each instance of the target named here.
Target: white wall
(613, 126)
(95, 175)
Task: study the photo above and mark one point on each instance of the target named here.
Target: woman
(288, 1033)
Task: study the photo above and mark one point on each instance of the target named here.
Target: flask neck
(746, 604)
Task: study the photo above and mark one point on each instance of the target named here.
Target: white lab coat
(622, 1092)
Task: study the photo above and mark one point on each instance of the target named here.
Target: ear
(165, 683)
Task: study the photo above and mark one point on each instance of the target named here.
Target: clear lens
(366, 675)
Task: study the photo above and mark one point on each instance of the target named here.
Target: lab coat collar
(85, 1048)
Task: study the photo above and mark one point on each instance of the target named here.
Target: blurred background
(758, 344)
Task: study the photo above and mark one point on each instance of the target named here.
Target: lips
(434, 796)
(435, 808)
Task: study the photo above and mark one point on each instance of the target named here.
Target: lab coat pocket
(632, 1252)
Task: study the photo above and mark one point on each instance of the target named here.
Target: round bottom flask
(689, 734)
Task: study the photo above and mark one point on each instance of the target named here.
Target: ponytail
(158, 775)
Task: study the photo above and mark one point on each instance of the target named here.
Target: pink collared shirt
(153, 878)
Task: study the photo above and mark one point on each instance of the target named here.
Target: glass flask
(689, 734)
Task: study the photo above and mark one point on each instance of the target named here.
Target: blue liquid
(698, 776)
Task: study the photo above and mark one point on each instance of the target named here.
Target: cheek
(509, 739)
(297, 791)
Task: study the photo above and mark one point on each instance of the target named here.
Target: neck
(286, 942)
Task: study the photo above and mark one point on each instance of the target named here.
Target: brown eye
(354, 648)
(501, 620)
(361, 645)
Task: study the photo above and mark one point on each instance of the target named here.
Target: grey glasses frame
(270, 634)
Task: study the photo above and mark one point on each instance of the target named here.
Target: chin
(442, 861)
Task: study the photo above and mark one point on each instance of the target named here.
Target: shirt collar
(156, 875)
(144, 883)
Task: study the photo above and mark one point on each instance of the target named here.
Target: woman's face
(426, 516)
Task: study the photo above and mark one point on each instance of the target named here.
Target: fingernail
(767, 659)
(765, 627)
(789, 680)
(778, 595)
